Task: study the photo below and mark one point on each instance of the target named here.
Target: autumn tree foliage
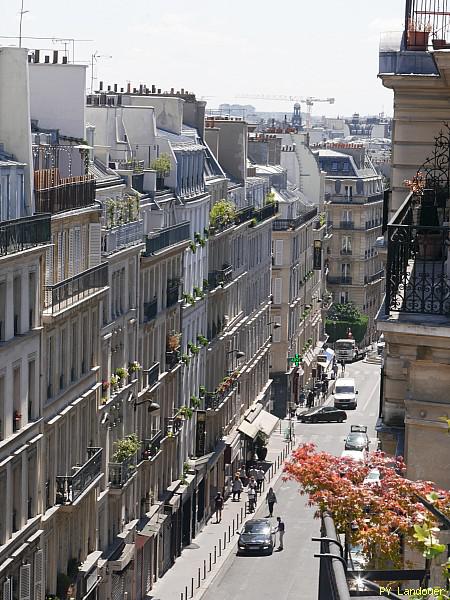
(379, 516)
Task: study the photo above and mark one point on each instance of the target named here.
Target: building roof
(102, 174)
(184, 141)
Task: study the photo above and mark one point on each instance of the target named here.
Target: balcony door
(346, 247)
(345, 270)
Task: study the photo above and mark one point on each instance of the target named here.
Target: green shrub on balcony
(192, 247)
(188, 299)
(202, 340)
(193, 348)
(222, 213)
(195, 402)
(125, 448)
(114, 381)
(185, 359)
(201, 391)
(121, 373)
(185, 411)
(198, 292)
(270, 198)
(162, 165)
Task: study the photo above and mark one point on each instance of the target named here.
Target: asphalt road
(293, 573)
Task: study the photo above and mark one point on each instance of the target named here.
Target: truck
(348, 350)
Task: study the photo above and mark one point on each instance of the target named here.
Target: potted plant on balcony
(222, 214)
(184, 412)
(134, 367)
(417, 35)
(192, 247)
(260, 445)
(122, 374)
(162, 167)
(202, 391)
(185, 359)
(125, 448)
(114, 381)
(173, 341)
(202, 340)
(195, 402)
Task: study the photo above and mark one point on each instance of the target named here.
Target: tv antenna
(94, 59)
(22, 12)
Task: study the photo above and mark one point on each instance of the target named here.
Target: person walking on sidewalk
(343, 367)
(260, 476)
(252, 472)
(251, 499)
(243, 476)
(310, 400)
(271, 500)
(252, 484)
(280, 530)
(236, 488)
(218, 503)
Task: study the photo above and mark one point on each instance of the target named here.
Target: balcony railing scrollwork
(62, 295)
(121, 473)
(70, 487)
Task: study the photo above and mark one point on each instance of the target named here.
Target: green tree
(222, 213)
(343, 317)
(162, 165)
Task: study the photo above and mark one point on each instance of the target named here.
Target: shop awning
(325, 358)
(264, 422)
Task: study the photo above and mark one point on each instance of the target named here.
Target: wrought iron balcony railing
(214, 399)
(153, 374)
(172, 359)
(166, 237)
(172, 426)
(339, 280)
(120, 237)
(120, 473)
(68, 193)
(266, 212)
(346, 251)
(70, 487)
(374, 277)
(286, 224)
(172, 295)
(151, 446)
(222, 277)
(426, 22)
(417, 280)
(19, 234)
(62, 295)
(150, 310)
(346, 225)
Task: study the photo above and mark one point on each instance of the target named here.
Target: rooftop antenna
(94, 59)
(22, 12)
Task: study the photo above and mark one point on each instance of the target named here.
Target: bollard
(192, 587)
(245, 509)
(215, 554)
(210, 565)
(181, 595)
(242, 514)
(220, 547)
(224, 540)
(198, 574)
(233, 527)
(229, 533)
(204, 569)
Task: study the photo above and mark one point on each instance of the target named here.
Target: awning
(325, 358)
(264, 422)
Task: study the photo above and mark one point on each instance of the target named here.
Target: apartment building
(354, 194)
(414, 319)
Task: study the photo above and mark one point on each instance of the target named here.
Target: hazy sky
(223, 49)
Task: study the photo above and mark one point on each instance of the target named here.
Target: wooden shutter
(277, 290)
(276, 335)
(95, 239)
(278, 252)
(84, 246)
(71, 271)
(39, 575)
(25, 582)
(77, 250)
(49, 266)
(60, 275)
(7, 589)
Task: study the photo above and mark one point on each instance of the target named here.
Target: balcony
(340, 280)
(172, 295)
(373, 224)
(20, 234)
(417, 279)
(172, 359)
(266, 212)
(346, 252)
(243, 215)
(172, 426)
(64, 294)
(355, 199)
(290, 224)
(153, 375)
(151, 446)
(166, 237)
(375, 277)
(221, 277)
(346, 225)
(62, 193)
(121, 473)
(70, 487)
(117, 238)
(150, 310)
(214, 399)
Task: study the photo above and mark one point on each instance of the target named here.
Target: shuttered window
(77, 250)
(276, 335)
(71, 265)
(49, 266)
(95, 236)
(277, 283)
(39, 575)
(278, 252)
(7, 589)
(25, 582)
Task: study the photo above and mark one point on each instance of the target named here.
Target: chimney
(159, 90)
(153, 89)
(64, 60)
(172, 90)
(36, 56)
(109, 88)
(134, 90)
(121, 90)
(100, 87)
(182, 91)
(141, 88)
(55, 57)
(128, 88)
(47, 60)
(115, 87)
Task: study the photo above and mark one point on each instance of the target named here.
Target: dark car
(322, 414)
(257, 535)
(357, 441)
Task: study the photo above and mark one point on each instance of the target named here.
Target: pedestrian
(252, 472)
(310, 399)
(251, 499)
(280, 530)
(254, 486)
(324, 389)
(343, 367)
(302, 397)
(335, 370)
(260, 476)
(271, 500)
(236, 488)
(243, 476)
(218, 503)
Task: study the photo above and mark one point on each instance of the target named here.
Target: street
(293, 572)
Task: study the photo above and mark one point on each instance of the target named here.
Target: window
(73, 354)
(63, 356)
(277, 290)
(346, 245)
(334, 166)
(278, 252)
(345, 269)
(343, 297)
(31, 390)
(50, 360)
(347, 216)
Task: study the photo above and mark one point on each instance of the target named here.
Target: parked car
(322, 414)
(257, 535)
(355, 455)
(345, 393)
(357, 441)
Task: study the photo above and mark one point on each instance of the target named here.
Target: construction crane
(309, 101)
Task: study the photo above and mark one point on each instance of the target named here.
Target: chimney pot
(115, 87)
(141, 87)
(172, 90)
(159, 90)
(36, 56)
(153, 89)
(134, 90)
(182, 90)
(55, 57)
(109, 88)
(121, 90)
(128, 88)
(101, 86)
(47, 59)
(64, 60)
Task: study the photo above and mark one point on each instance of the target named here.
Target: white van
(345, 393)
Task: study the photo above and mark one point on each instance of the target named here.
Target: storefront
(232, 459)
(256, 420)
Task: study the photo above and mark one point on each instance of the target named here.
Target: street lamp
(239, 353)
(153, 406)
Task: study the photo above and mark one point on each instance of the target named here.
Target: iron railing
(120, 237)
(19, 234)
(214, 399)
(427, 21)
(266, 212)
(340, 279)
(120, 473)
(62, 295)
(151, 446)
(346, 225)
(374, 277)
(172, 359)
(167, 237)
(285, 224)
(346, 251)
(73, 192)
(172, 426)
(416, 273)
(153, 374)
(172, 295)
(222, 276)
(70, 487)
(150, 310)
(243, 215)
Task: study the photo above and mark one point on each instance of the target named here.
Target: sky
(223, 50)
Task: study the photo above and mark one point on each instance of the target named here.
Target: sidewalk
(198, 564)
